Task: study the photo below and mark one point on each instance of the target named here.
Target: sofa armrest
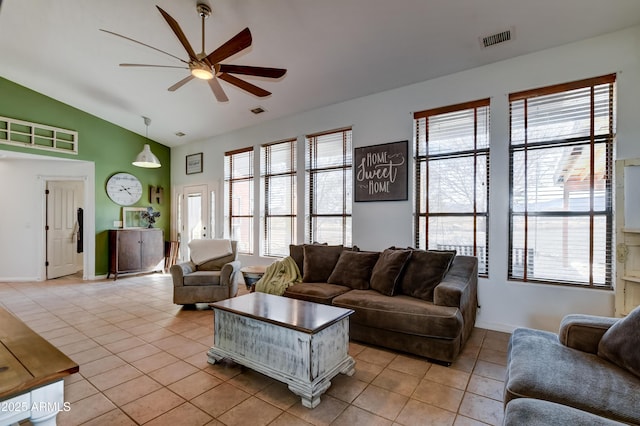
(228, 276)
(583, 332)
(459, 286)
(178, 271)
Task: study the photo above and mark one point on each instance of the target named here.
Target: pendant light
(146, 158)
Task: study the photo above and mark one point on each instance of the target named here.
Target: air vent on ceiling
(497, 38)
(258, 110)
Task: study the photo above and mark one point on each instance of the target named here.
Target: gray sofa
(210, 281)
(425, 305)
(582, 376)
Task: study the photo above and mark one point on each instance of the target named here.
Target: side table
(251, 275)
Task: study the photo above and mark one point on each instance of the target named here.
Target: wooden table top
(27, 360)
(296, 314)
(255, 269)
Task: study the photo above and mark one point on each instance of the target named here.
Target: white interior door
(63, 200)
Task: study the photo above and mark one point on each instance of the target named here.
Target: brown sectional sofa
(416, 301)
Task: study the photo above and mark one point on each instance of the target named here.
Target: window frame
(312, 169)
(608, 139)
(265, 178)
(428, 158)
(229, 181)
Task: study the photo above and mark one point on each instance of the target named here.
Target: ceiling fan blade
(180, 83)
(259, 92)
(178, 32)
(151, 65)
(217, 90)
(249, 70)
(143, 44)
(239, 42)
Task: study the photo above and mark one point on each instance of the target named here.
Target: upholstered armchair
(210, 275)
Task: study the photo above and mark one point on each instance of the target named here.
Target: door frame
(178, 197)
(89, 237)
(51, 201)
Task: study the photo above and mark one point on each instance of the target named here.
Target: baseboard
(504, 328)
(18, 279)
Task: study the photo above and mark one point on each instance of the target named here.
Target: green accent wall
(111, 148)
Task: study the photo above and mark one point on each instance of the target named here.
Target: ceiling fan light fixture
(202, 72)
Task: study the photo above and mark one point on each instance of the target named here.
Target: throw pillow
(387, 270)
(424, 272)
(621, 342)
(354, 269)
(296, 251)
(319, 261)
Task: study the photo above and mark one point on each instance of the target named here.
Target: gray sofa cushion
(354, 269)
(621, 343)
(202, 278)
(315, 292)
(424, 271)
(540, 367)
(534, 412)
(403, 314)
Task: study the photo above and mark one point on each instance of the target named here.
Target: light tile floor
(143, 361)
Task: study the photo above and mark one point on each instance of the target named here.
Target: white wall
(388, 117)
(22, 216)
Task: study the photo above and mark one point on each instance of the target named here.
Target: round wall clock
(124, 189)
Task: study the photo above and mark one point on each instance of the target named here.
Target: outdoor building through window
(452, 180)
(329, 184)
(278, 185)
(238, 198)
(561, 149)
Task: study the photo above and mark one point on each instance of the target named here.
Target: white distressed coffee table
(302, 344)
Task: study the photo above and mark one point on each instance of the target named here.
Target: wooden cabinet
(135, 250)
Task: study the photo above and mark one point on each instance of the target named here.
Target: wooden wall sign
(381, 172)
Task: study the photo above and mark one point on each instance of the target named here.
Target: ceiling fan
(209, 67)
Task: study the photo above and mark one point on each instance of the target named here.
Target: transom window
(452, 180)
(329, 187)
(278, 182)
(561, 150)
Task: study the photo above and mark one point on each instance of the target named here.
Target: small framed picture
(194, 163)
(132, 217)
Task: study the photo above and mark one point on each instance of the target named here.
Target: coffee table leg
(213, 356)
(310, 397)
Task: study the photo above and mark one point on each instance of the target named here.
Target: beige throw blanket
(206, 249)
(279, 276)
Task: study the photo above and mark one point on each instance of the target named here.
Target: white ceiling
(334, 50)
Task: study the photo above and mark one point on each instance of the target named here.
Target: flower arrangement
(150, 216)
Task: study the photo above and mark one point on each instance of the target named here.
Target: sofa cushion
(621, 343)
(541, 367)
(319, 261)
(315, 292)
(296, 251)
(387, 270)
(403, 314)
(202, 278)
(354, 269)
(424, 271)
(534, 412)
